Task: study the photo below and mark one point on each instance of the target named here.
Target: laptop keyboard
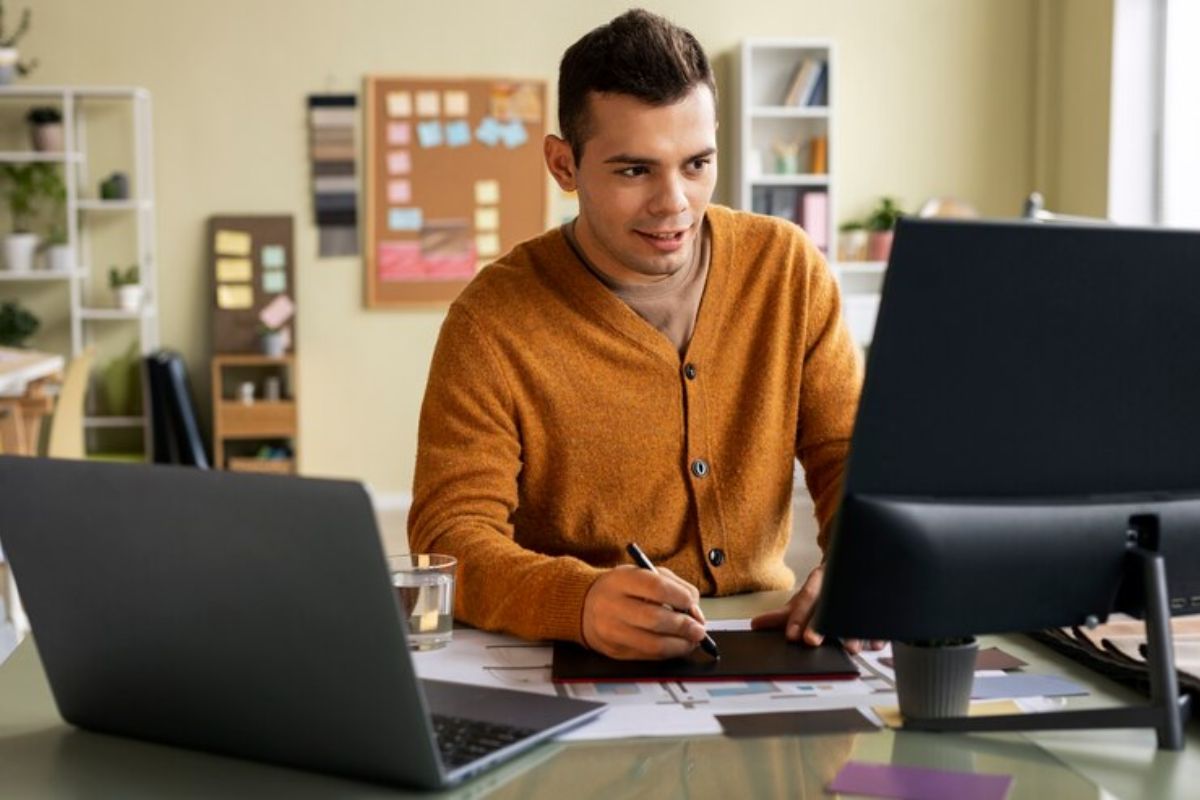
(462, 741)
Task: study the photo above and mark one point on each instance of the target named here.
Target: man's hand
(625, 614)
(796, 616)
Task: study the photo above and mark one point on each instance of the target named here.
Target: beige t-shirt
(670, 305)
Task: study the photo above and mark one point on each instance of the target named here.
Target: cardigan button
(689, 372)
(716, 556)
(699, 467)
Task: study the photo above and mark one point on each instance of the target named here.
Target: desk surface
(40, 756)
(19, 367)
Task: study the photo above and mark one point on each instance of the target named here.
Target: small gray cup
(934, 682)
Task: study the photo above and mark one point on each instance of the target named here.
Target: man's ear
(560, 161)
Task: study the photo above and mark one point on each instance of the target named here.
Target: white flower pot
(60, 258)
(19, 249)
(129, 298)
(48, 138)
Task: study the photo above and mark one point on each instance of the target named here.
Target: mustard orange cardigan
(558, 426)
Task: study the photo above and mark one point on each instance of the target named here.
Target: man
(645, 374)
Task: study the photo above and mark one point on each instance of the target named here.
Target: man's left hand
(796, 617)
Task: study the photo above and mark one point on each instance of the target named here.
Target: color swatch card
(918, 783)
(796, 723)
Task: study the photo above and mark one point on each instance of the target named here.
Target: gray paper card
(796, 723)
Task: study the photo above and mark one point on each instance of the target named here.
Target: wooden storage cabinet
(242, 427)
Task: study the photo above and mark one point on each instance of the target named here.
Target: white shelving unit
(766, 68)
(84, 211)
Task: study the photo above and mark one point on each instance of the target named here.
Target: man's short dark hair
(638, 54)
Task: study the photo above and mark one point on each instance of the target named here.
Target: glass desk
(41, 756)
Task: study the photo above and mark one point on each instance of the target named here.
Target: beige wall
(937, 97)
(1071, 118)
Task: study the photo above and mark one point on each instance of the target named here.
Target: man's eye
(633, 172)
(700, 163)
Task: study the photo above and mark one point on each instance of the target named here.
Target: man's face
(645, 178)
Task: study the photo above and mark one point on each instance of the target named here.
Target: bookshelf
(784, 134)
(96, 230)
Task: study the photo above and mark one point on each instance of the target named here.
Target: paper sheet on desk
(668, 708)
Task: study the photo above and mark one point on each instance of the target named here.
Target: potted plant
(10, 62)
(45, 128)
(934, 678)
(126, 286)
(24, 183)
(16, 324)
(273, 341)
(882, 225)
(852, 243)
(59, 255)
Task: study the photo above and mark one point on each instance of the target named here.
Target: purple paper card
(918, 783)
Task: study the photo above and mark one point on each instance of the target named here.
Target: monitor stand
(1166, 712)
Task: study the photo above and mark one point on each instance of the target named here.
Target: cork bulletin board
(454, 179)
(251, 260)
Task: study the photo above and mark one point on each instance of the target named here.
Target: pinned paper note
(455, 104)
(520, 101)
(274, 256)
(405, 219)
(445, 238)
(487, 219)
(232, 243)
(277, 312)
(399, 133)
(429, 134)
(274, 281)
(234, 270)
(399, 104)
(489, 131)
(458, 133)
(399, 162)
(400, 191)
(428, 104)
(399, 261)
(235, 296)
(514, 134)
(487, 193)
(487, 245)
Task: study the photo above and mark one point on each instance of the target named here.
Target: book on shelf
(804, 81)
(818, 155)
(819, 96)
(808, 208)
(815, 218)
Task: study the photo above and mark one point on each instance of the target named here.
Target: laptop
(248, 615)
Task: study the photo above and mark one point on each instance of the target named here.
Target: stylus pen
(640, 559)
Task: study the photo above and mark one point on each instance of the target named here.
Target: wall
(936, 98)
(1073, 80)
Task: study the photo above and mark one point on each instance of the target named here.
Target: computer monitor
(1027, 447)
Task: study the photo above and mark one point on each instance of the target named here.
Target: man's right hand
(624, 614)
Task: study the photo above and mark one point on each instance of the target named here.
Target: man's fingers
(645, 585)
(770, 619)
(852, 646)
(689, 588)
(639, 644)
(654, 618)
